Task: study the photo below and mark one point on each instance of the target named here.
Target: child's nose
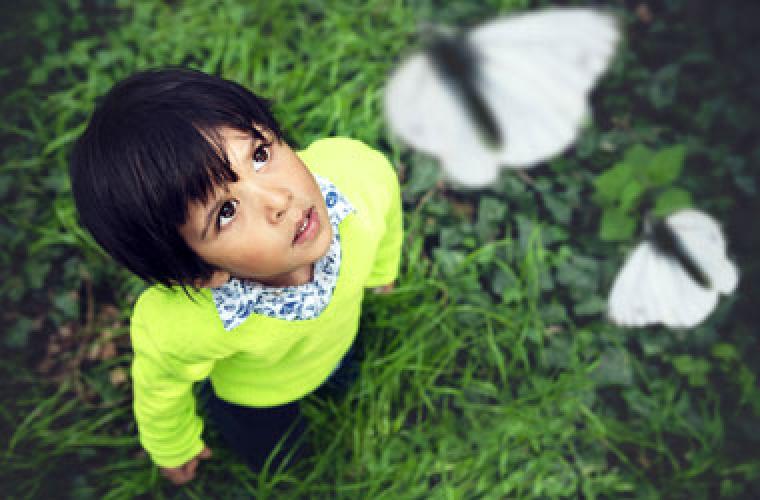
(278, 200)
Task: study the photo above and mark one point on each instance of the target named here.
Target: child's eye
(226, 213)
(261, 156)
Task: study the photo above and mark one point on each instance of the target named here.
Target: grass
(490, 371)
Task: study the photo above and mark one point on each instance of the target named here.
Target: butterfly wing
(630, 302)
(681, 302)
(536, 71)
(427, 115)
(703, 240)
(653, 288)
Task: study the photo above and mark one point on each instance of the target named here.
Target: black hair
(152, 147)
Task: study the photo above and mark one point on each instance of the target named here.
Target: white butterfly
(656, 286)
(522, 81)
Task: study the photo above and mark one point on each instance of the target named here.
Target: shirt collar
(237, 299)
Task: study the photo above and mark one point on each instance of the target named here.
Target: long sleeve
(388, 256)
(164, 405)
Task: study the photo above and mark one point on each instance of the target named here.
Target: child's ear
(217, 279)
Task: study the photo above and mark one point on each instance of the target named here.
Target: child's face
(252, 228)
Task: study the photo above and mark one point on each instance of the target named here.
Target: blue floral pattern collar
(239, 298)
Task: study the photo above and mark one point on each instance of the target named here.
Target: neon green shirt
(264, 361)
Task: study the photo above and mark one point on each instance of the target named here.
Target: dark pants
(254, 432)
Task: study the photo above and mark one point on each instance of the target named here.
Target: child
(258, 256)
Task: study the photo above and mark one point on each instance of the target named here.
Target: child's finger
(177, 476)
(191, 467)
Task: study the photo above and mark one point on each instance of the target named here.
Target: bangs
(189, 173)
(152, 149)
(214, 169)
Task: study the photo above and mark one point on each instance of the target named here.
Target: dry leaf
(108, 351)
(644, 13)
(94, 352)
(118, 376)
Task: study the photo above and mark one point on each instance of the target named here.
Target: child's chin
(324, 247)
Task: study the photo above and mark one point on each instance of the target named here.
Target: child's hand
(185, 473)
(384, 289)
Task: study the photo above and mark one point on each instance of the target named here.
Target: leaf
(449, 260)
(672, 200)
(587, 144)
(491, 217)
(553, 313)
(68, 304)
(614, 368)
(638, 156)
(616, 226)
(666, 165)
(423, 176)
(558, 354)
(724, 351)
(630, 196)
(610, 184)
(654, 344)
(696, 369)
(450, 237)
(18, 334)
(36, 273)
(592, 306)
(505, 282)
(663, 86)
(559, 208)
(640, 403)
(579, 273)
(513, 186)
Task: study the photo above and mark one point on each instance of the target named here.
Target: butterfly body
(667, 243)
(455, 61)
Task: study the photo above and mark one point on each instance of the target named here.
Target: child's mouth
(307, 227)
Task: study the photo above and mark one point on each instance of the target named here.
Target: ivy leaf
(616, 225)
(450, 237)
(18, 334)
(610, 184)
(614, 368)
(592, 306)
(631, 195)
(638, 156)
(67, 304)
(449, 260)
(37, 273)
(506, 285)
(491, 215)
(663, 86)
(672, 200)
(666, 165)
(726, 352)
(579, 273)
(640, 403)
(558, 207)
(587, 143)
(558, 354)
(696, 369)
(423, 177)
